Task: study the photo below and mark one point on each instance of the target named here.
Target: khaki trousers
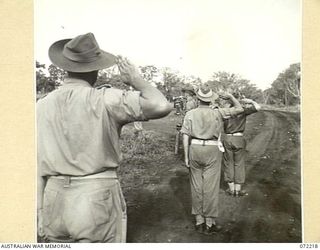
(205, 168)
(84, 210)
(234, 159)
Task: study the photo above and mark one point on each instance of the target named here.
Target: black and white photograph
(168, 121)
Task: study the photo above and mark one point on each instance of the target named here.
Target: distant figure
(138, 127)
(191, 99)
(178, 104)
(78, 130)
(201, 131)
(235, 146)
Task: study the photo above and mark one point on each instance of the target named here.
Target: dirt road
(159, 204)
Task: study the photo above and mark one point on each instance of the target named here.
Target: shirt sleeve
(250, 110)
(227, 113)
(124, 105)
(186, 126)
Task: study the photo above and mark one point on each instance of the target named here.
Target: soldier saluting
(201, 131)
(78, 130)
(235, 146)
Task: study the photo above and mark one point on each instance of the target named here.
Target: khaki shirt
(206, 122)
(78, 128)
(191, 104)
(238, 123)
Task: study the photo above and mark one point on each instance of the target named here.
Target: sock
(231, 186)
(199, 219)
(237, 187)
(209, 221)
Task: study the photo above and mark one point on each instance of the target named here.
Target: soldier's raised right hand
(225, 95)
(128, 71)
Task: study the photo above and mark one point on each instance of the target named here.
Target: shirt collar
(204, 106)
(69, 81)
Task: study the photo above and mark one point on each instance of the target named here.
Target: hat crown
(82, 43)
(205, 93)
(83, 48)
(80, 54)
(205, 89)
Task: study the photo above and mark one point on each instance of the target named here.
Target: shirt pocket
(49, 202)
(101, 204)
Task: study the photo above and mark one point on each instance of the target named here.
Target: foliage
(112, 77)
(285, 90)
(56, 74)
(172, 83)
(150, 73)
(141, 146)
(46, 82)
(232, 83)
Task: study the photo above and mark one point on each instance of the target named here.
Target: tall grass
(145, 155)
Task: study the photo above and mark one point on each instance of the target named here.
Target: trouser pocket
(49, 202)
(101, 203)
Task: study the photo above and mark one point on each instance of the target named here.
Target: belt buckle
(66, 181)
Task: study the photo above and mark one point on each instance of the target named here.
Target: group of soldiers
(212, 130)
(78, 148)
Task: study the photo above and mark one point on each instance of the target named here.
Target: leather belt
(236, 134)
(204, 142)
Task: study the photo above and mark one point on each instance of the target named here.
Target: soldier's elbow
(240, 110)
(155, 110)
(164, 108)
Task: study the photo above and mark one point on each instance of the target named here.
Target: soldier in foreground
(201, 131)
(78, 129)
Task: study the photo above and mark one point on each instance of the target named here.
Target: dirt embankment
(158, 193)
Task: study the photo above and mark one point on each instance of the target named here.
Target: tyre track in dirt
(272, 211)
(160, 211)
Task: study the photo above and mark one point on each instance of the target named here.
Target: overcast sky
(256, 39)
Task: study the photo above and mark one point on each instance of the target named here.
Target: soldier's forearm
(153, 102)
(256, 105)
(237, 108)
(186, 146)
(235, 102)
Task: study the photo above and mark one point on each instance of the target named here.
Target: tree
(172, 83)
(292, 77)
(285, 90)
(192, 81)
(43, 83)
(112, 77)
(150, 73)
(235, 84)
(48, 81)
(56, 74)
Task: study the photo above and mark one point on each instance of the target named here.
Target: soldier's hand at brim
(224, 95)
(246, 100)
(128, 71)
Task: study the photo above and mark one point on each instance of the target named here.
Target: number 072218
(308, 245)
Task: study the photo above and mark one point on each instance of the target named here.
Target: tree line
(284, 90)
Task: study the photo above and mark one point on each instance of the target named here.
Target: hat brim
(207, 99)
(105, 59)
(189, 91)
